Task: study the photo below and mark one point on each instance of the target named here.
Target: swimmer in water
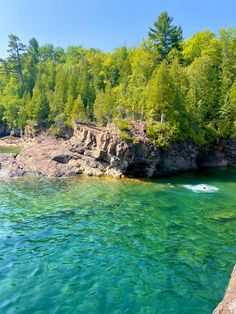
(201, 188)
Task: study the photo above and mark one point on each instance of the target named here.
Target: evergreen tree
(31, 62)
(161, 94)
(104, 106)
(136, 98)
(78, 111)
(164, 35)
(15, 60)
(227, 43)
(202, 98)
(87, 91)
(227, 116)
(39, 106)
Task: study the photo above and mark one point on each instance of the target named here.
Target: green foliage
(126, 136)
(203, 97)
(59, 125)
(184, 90)
(104, 105)
(202, 43)
(164, 35)
(123, 125)
(39, 106)
(161, 134)
(161, 93)
(2, 110)
(227, 117)
(78, 111)
(15, 60)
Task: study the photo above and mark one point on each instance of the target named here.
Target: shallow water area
(99, 245)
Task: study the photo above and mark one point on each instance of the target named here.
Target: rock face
(218, 155)
(228, 305)
(114, 156)
(4, 130)
(103, 152)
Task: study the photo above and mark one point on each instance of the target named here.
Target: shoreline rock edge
(103, 152)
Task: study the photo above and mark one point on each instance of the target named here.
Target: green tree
(136, 96)
(11, 101)
(16, 50)
(104, 106)
(39, 106)
(87, 90)
(227, 41)
(161, 94)
(180, 89)
(78, 111)
(164, 35)
(203, 98)
(227, 116)
(202, 43)
(31, 62)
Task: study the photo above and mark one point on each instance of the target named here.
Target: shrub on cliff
(161, 134)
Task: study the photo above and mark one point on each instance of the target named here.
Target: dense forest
(183, 89)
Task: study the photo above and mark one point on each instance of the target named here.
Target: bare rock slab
(228, 304)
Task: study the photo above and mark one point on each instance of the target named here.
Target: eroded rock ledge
(103, 152)
(228, 305)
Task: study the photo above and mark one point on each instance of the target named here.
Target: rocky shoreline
(228, 304)
(103, 152)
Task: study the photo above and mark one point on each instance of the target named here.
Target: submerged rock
(103, 152)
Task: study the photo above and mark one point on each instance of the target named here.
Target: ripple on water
(90, 245)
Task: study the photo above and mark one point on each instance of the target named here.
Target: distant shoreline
(104, 152)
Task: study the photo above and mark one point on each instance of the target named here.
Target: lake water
(90, 245)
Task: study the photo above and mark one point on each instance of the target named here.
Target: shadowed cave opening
(137, 169)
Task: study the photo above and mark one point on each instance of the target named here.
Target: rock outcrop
(228, 304)
(104, 152)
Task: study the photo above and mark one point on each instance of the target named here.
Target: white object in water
(201, 188)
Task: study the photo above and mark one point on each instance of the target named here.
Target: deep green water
(88, 245)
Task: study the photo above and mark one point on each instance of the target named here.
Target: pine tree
(164, 35)
(31, 62)
(16, 50)
(39, 106)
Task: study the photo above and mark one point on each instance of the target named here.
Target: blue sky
(105, 24)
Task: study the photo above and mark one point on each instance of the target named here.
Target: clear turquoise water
(87, 245)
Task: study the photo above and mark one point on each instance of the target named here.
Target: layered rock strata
(104, 152)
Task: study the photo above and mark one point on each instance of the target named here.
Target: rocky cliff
(103, 152)
(228, 305)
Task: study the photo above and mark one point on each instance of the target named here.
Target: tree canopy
(183, 89)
